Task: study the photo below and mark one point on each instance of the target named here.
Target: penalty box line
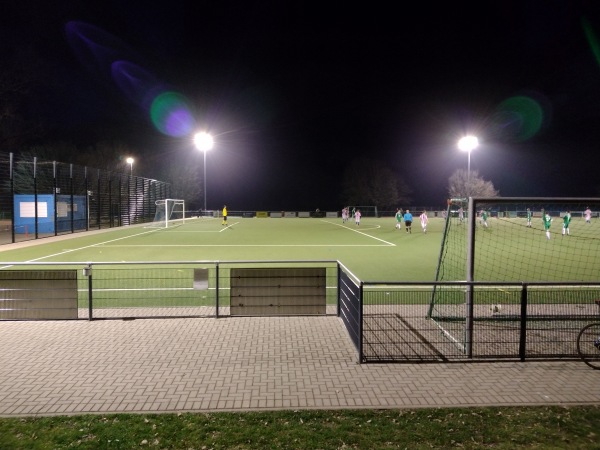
(360, 232)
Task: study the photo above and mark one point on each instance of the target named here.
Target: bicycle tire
(585, 345)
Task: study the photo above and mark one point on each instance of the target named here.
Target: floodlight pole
(130, 162)
(204, 142)
(469, 163)
(468, 144)
(204, 165)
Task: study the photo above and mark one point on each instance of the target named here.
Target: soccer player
(357, 217)
(484, 216)
(588, 215)
(461, 214)
(408, 218)
(424, 221)
(224, 215)
(566, 221)
(399, 218)
(547, 222)
(344, 215)
(529, 215)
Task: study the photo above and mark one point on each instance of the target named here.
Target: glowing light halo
(171, 114)
(203, 141)
(468, 143)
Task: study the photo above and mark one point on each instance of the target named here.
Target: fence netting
(41, 198)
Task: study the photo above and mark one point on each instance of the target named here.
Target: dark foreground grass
(509, 427)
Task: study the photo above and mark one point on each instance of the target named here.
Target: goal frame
(164, 215)
(471, 218)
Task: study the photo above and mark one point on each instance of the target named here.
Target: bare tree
(109, 155)
(18, 79)
(186, 183)
(463, 184)
(369, 182)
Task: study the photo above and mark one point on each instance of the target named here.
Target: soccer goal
(169, 213)
(365, 211)
(521, 241)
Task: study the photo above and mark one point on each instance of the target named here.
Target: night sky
(293, 91)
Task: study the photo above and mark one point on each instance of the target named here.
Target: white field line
(104, 243)
(360, 232)
(145, 289)
(167, 289)
(84, 247)
(228, 226)
(261, 245)
(200, 231)
(247, 245)
(392, 288)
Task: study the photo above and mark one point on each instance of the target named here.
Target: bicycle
(588, 344)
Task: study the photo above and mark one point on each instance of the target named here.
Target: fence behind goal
(504, 240)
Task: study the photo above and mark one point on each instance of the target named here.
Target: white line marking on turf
(249, 245)
(87, 246)
(229, 226)
(359, 232)
(204, 231)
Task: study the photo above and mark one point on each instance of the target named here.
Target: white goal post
(169, 213)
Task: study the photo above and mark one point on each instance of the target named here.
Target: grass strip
(496, 427)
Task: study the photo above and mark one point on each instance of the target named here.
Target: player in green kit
(399, 218)
(566, 222)
(547, 222)
(484, 216)
(529, 215)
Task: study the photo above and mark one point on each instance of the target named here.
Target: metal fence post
(12, 199)
(339, 291)
(217, 290)
(87, 272)
(360, 323)
(523, 323)
(55, 197)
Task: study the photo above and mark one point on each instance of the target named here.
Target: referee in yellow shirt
(224, 214)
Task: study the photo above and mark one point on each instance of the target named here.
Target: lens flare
(109, 58)
(95, 48)
(171, 114)
(520, 117)
(139, 85)
(591, 38)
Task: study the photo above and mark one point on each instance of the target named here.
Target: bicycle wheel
(588, 352)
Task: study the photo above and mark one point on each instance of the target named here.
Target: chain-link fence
(40, 198)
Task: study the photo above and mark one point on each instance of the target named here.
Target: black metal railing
(386, 321)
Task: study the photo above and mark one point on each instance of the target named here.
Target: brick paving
(207, 364)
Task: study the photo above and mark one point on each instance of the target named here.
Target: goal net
(169, 213)
(365, 211)
(518, 240)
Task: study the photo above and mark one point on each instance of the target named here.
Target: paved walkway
(167, 365)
